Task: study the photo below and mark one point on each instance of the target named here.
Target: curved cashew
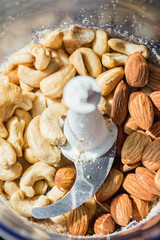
(53, 85)
(40, 187)
(10, 98)
(25, 87)
(127, 48)
(60, 56)
(4, 78)
(24, 205)
(39, 104)
(111, 60)
(55, 194)
(85, 60)
(53, 101)
(50, 127)
(12, 73)
(11, 187)
(12, 173)
(36, 172)
(100, 43)
(26, 103)
(29, 156)
(77, 37)
(109, 79)
(53, 39)
(15, 129)
(3, 131)
(7, 154)
(40, 147)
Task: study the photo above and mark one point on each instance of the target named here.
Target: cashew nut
(91, 207)
(111, 60)
(55, 194)
(100, 43)
(25, 87)
(24, 205)
(53, 85)
(13, 75)
(11, 187)
(53, 39)
(77, 37)
(85, 60)
(3, 131)
(29, 156)
(36, 172)
(60, 56)
(15, 129)
(127, 48)
(39, 104)
(27, 99)
(51, 101)
(40, 147)
(1, 187)
(7, 154)
(12, 173)
(23, 163)
(4, 78)
(103, 105)
(40, 187)
(60, 220)
(10, 98)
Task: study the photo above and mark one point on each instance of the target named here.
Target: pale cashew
(10, 98)
(29, 156)
(39, 104)
(109, 79)
(55, 194)
(3, 131)
(111, 60)
(109, 99)
(13, 75)
(4, 78)
(36, 172)
(53, 39)
(40, 147)
(12, 173)
(26, 103)
(86, 61)
(103, 105)
(60, 220)
(77, 37)
(25, 87)
(50, 127)
(11, 187)
(53, 85)
(15, 129)
(42, 57)
(127, 48)
(59, 109)
(40, 187)
(24, 205)
(100, 43)
(60, 56)
(53, 101)
(91, 207)
(33, 77)
(7, 154)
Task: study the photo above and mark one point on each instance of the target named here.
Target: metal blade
(90, 176)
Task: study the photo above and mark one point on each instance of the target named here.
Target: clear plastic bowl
(22, 20)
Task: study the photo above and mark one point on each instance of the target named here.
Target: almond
(146, 178)
(77, 221)
(110, 185)
(133, 186)
(91, 207)
(157, 179)
(127, 167)
(120, 103)
(133, 147)
(136, 70)
(130, 125)
(154, 75)
(104, 224)
(104, 205)
(120, 140)
(155, 97)
(151, 156)
(141, 109)
(140, 208)
(121, 209)
(154, 131)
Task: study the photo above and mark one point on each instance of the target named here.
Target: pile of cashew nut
(31, 106)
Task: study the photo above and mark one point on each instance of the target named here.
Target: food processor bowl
(22, 21)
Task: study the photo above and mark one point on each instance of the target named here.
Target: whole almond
(121, 209)
(154, 74)
(127, 167)
(133, 186)
(77, 221)
(155, 97)
(141, 109)
(140, 208)
(151, 156)
(133, 147)
(146, 178)
(157, 179)
(120, 103)
(104, 224)
(154, 131)
(136, 70)
(110, 185)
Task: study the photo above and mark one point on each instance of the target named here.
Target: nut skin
(154, 74)
(140, 208)
(121, 209)
(104, 224)
(154, 131)
(141, 109)
(136, 70)
(155, 97)
(157, 179)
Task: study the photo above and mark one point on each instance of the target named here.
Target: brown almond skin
(127, 167)
(121, 209)
(140, 208)
(146, 178)
(133, 186)
(120, 140)
(154, 75)
(154, 131)
(151, 156)
(155, 97)
(136, 70)
(104, 224)
(133, 147)
(65, 178)
(110, 185)
(141, 109)
(157, 179)
(120, 103)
